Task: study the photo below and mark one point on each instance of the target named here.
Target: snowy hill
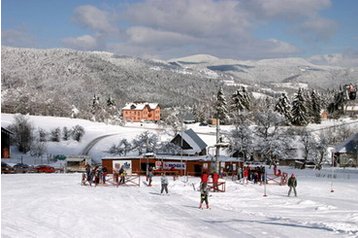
(49, 82)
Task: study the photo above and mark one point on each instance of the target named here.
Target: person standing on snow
(164, 182)
(292, 183)
(204, 179)
(204, 194)
(215, 181)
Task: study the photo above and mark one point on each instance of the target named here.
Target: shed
(346, 153)
(190, 142)
(5, 143)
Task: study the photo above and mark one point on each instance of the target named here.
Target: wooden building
(346, 153)
(5, 143)
(186, 165)
(141, 111)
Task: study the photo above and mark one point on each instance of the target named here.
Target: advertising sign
(175, 165)
(127, 165)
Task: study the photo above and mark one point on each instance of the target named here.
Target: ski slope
(56, 205)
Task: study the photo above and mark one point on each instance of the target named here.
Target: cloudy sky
(241, 29)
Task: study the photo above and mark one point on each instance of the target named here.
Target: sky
(322, 30)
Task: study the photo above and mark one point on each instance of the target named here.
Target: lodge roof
(348, 146)
(140, 106)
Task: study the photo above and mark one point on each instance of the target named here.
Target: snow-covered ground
(56, 205)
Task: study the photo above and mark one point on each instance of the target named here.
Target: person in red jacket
(204, 179)
(215, 181)
(246, 174)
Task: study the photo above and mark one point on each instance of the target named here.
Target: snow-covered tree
(145, 142)
(240, 100)
(55, 134)
(241, 140)
(38, 148)
(283, 106)
(221, 107)
(23, 132)
(315, 107)
(122, 148)
(42, 135)
(78, 132)
(299, 109)
(66, 133)
(269, 140)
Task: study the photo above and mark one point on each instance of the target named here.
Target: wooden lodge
(175, 165)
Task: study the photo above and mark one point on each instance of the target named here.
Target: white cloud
(348, 59)
(171, 28)
(280, 47)
(318, 28)
(95, 19)
(145, 35)
(17, 37)
(288, 9)
(85, 42)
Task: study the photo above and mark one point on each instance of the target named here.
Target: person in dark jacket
(164, 183)
(204, 194)
(292, 183)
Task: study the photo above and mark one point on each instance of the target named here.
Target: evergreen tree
(221, 106)
(110, 102)
(283, 107)
(299, 109)
(240, 100)
(56, 134)
(316, 107)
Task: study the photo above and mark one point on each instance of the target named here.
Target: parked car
(45, 169)
(21, 168)
(6, 169)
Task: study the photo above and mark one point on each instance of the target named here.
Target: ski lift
(351, 91)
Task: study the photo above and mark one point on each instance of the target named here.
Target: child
(204, 194)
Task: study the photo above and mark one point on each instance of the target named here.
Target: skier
(164, 182)
(204, 179)
(122, 174)
(215, 181)
(292, 183)
(204, 194)
(150, 175)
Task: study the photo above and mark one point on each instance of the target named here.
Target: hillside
(49, 82)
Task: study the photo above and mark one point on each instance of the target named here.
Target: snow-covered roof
(139, 106)
(348, 146)
(195, 142)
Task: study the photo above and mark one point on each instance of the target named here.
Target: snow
(56, 205)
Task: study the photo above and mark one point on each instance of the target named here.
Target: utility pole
(217, 154)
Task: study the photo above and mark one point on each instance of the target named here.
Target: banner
(175, 165)
(127, 166)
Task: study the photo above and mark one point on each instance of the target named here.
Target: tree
(42, 135)
(316, 107)
(240, 100)
(38, 149)
(221, 106)
(283, 107)
(299, 109)
(145, 142)
(242, 140)
(23, 132)
(269, 142)
(308, 143)
(66, 133)
(78, 132)
(56, 135)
